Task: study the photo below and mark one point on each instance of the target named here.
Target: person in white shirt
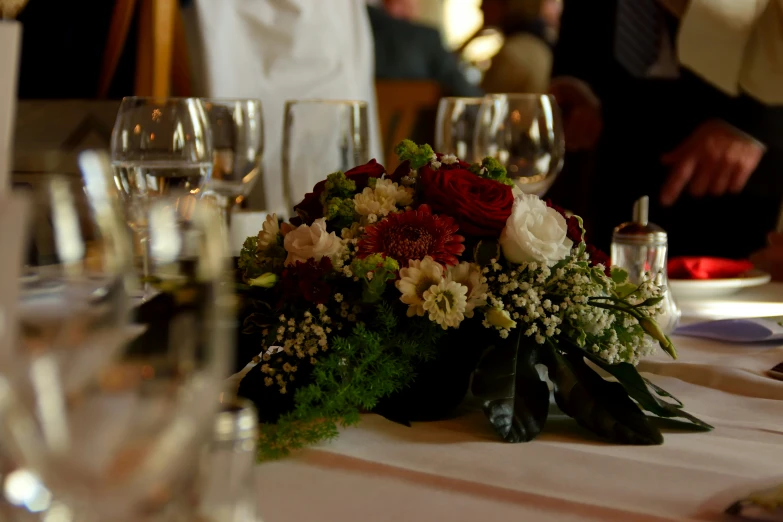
(278, 50)
(683, 100)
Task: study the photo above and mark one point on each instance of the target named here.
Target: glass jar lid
(640, 231)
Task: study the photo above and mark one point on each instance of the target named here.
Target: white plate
(701, 288)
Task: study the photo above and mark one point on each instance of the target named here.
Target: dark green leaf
(514, 398)
(637, 389)
(485, 251)
(619, 276)
(601, 406)
(663, 393)
(596, 277)
(582, 339)
(625, 290)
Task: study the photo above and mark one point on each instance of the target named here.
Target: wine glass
(321, 137)
(238, 141)
(70, 308)
(455, 127)
(114, 431)
(22, 496)
(159, 147)
(525, 133)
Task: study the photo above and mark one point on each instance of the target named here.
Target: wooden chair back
(50, 134)
(161, 61)
(404, 107)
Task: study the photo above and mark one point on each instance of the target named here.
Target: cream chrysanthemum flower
(469, 275)
(449, 159)
(401, 195)
(416, 279)
(383, 199)
(351, 233)
(269, 232)
(446, 303)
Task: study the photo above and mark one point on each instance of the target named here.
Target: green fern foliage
(371, 363)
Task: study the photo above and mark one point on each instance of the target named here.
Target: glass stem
(146, 288)
(224, 205)
(225, 211)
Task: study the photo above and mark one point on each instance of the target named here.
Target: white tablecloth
(458, 470)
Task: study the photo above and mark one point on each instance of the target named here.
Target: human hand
(582, 121)
(770, 259)
(715, 159)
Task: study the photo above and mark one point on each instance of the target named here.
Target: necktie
(638, 32)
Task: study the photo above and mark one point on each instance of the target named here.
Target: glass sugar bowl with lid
(641, 249)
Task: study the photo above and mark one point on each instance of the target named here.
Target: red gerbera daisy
(413, 235)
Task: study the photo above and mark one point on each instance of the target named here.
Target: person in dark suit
(770, 259)
(406, 50)
(710, 160)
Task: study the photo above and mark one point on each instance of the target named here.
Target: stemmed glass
(525, 133)
(238, 141)
(159, 146)
(456, 125)
(70, 308)
(321, 137)
(113, 427)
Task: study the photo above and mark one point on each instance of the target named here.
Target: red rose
(575, 234)
(480, 206)
(307, 281)
(401, 171)
(405, 167)
(311, 207)
(599, 257)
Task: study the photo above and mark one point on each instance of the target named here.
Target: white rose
(535, 232)
(312, 241)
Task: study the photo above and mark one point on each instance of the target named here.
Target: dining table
(459, 469)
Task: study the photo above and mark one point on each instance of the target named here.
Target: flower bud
(267, 280)
(652, 329)
(500, 318)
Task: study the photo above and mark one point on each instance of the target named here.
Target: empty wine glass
(70, 306)
(159, 147)
(321, 137)
(22, 497)
(525, 133)
(455, 127)
(73, 288)
(114, 432)
(238, 141)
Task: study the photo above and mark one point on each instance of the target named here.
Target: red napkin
(707, 268)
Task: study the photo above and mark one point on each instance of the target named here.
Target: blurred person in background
(524, 62)
(278, 50)
(407, 50)
(682, 100)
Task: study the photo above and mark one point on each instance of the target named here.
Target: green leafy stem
(515, 398)
(648, 324)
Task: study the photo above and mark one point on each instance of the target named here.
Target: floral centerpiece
(387, 284)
